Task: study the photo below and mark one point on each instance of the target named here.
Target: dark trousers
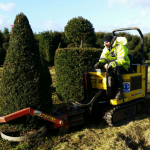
(117, 71)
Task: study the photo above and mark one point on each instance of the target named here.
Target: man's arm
(122, 53)
(101, 60)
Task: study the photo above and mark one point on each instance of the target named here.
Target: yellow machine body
(134, 84)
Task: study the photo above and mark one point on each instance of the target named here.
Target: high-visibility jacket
(118, 55)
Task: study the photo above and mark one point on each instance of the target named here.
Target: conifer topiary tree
(79, 30)
(24, 82)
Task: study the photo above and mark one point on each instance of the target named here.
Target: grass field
(93, 135)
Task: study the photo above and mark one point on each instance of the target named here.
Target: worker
(117, 53)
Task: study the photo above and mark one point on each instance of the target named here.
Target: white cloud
(143, 13)
(107, 28)
(7, 7)
(111, 2)
(52, 26)
(130, 3)
(4, 22)
(131, 23)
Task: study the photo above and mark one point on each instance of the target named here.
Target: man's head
(107, 40)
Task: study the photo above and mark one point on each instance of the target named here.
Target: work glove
(96, 65)
(111, 65)
(106, 66)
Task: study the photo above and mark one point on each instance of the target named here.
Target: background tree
(128, 36)
(56, 39)
(2, 55)
(79, 30)
(6, 35)
(46, 46)
(1, 38)
(24, 82)
(2, 49)
(64, 41)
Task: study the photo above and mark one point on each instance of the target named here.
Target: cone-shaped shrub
(69, 65)
(24, 82)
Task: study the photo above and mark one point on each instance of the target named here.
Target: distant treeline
(49, 41)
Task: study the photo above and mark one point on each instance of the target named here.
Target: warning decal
(126, 87)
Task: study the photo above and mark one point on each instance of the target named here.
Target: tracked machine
(100, 90)
(99, 97)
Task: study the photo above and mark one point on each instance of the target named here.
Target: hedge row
(49, 41)
(69, 66)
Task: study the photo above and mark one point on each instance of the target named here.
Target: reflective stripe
(102, 57)
(118, 58)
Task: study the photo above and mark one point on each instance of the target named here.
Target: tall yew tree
(46, 46)
(24, 82)
(79, 30)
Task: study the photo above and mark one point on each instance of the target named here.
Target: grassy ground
(94, 135)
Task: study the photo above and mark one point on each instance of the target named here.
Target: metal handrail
(142, 38)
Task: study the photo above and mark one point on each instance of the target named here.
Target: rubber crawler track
(111, 110)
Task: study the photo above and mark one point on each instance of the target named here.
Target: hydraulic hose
(89, 103)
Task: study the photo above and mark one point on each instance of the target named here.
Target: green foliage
(100, 43)
(24, 82)
(56, 39)
(45, 67)
(148, 56)
(79, 30)
(69, 65)
(6, 31)
(5, 45)
(2, 55)
(136, 40)
(147, 35)
(134, 43)
(36, 37)
(138, 47)
(71, 45)
(128, 36)
(1, 39)
(130, 45)
(64, 40)
(99, 35)
(6, 35)
(146, 45)
(122, 34)
(85, 45)
(133, 52)
(46, 47)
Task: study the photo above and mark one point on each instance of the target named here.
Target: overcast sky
(105, 15)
